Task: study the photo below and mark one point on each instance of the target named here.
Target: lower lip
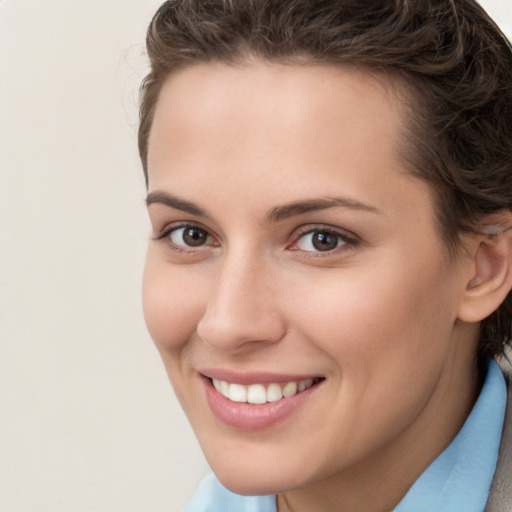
(245, 416)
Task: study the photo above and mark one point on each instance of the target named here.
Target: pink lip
(245, 416)
(252, 377)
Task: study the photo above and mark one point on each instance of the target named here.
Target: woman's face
(291, 254)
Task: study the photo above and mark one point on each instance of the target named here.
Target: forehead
(292, 128)
(295, 102)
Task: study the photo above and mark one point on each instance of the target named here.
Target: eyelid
(173, 226)
(350, 238)
(164, 237)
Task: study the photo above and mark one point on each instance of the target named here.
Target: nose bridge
(241, 306)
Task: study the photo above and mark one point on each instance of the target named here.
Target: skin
(378, 317)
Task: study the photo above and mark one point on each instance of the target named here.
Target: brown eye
(320, 240)
(324, 241)
(190, 236)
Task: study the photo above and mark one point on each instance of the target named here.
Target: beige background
(87, 418)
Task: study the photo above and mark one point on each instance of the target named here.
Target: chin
(259, 476)
(253, 483)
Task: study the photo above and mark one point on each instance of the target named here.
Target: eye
(189, 236)
(322, 240)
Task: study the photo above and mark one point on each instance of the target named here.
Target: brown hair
(454, 61)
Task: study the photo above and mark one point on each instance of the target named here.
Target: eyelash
(344, 241)
(165, 235)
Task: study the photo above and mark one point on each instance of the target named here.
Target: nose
(242, 308)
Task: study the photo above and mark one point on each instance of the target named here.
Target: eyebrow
(274, 215)
(311, 205)
(161, 197)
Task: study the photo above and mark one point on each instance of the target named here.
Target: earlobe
(491, 278)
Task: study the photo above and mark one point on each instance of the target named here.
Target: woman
(328, 277)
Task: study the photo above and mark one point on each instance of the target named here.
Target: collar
(460, 478)
(500, 495)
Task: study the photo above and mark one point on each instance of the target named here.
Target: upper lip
(254, 377)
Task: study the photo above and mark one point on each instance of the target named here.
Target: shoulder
(500, 495)
(212, 496)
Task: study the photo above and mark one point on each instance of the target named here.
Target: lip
(245, 416)
(253, 377)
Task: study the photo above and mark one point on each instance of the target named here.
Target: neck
(378, 483)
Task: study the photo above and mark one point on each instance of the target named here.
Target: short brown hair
(454, 61)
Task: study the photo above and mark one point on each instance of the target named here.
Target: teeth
(290, 389)
(305, 384)
(224, 387)
(237, 393)
(274, 393)
(258, 393)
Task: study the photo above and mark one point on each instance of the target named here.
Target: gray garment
(500, 495)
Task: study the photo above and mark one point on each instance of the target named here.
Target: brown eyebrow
(161, 197)
(300, 207)
(274, 215)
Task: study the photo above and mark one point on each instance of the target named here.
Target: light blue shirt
(457, 481)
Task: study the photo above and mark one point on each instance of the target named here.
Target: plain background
(88, 422)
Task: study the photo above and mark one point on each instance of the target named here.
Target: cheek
(172, 306)
(382, 317)
(387, 340)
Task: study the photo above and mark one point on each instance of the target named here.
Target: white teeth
(290, 389)
(257, 393)
(304, 384)
(224, 387)
(221, 386)
(274, 393)
(237, 393)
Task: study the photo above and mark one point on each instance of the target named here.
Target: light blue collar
(460, 478)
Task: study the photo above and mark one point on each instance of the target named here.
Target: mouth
(259, 394)
(261, 401)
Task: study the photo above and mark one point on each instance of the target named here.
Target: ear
(491, 268)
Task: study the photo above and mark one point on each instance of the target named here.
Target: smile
(256, 401)
(261, 393)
